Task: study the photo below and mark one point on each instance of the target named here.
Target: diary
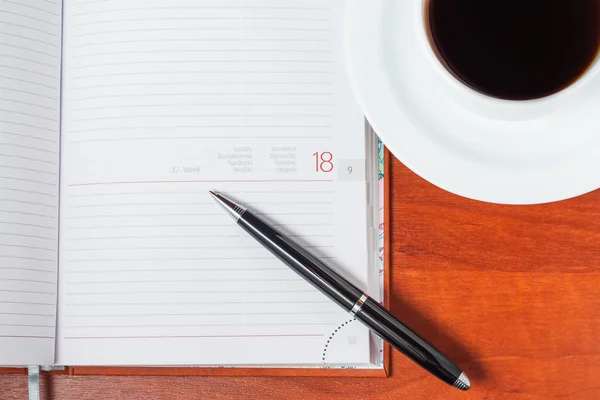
(116, 118)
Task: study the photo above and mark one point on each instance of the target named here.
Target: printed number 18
(323, 161)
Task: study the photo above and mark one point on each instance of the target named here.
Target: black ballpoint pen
(348, 296)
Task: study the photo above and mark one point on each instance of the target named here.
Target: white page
(164, 101)
(30, 41)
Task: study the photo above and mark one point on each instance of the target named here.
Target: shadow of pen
(439, 338)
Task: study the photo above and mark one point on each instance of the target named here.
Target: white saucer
(466, 143)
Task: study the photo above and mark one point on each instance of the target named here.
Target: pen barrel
(348, 296)
(302, 262)
(389, 328)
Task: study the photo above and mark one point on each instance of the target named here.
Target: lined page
(164, 101)
(30, 40)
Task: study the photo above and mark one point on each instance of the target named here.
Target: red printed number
(323, 161)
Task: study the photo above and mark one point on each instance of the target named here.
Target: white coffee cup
(468, 143)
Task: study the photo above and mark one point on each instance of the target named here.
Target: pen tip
(235, 210)
(462, 383)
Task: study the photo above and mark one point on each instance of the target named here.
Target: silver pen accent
(463, 382)
(358, 304)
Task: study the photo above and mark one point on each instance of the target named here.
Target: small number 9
(349, 170)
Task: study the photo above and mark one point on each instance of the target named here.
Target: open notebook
(116, 118)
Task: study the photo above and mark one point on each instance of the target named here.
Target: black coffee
(515, 49)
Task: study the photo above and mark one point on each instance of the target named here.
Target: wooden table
(510, 293)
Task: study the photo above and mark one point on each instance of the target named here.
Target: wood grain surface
(510, 293)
